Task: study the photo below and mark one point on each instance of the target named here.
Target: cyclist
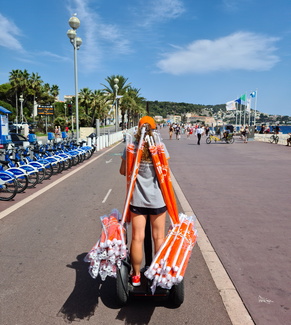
(227, 131)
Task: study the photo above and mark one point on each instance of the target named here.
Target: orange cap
(149, 120)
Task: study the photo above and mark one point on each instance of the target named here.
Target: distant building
(68, 98)
(174, 118)
(207, 120)
(158, 118)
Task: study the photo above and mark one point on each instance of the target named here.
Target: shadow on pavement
(84, 298)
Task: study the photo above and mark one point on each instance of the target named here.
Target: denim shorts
(147, 211)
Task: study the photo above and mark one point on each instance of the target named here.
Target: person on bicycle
(147, 200)
(289, 140)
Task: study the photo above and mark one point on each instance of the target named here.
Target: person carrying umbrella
(147, 199)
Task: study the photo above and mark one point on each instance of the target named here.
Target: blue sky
(193, 51)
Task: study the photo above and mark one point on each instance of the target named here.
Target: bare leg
(136, 248)
(158, 223)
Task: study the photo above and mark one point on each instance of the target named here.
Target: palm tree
(100, 106)
(112, 93)
(34, 83)
(19, 82)
(85, 99)
(14, 81)
(133, 104)
(54, 90)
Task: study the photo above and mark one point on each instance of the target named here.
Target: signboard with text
(45, 110)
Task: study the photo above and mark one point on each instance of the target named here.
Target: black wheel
(67, 164)
(75, 160)
(276, 139)
(272, 139)
(81, 157)
(8, 190)
(177, 294)
(208, 140)
(57, 168)
(32, 179)
(41, 175)
(231, 140)
(88, 154)
(48, 172)
(22, 183)
(122, 284)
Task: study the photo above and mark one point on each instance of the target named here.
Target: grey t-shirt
(147, 192)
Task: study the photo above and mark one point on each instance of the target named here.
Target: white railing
(107, 140)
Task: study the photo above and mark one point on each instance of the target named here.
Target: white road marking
(106, 197)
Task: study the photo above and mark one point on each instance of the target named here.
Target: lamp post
(21, 99)
(116, 80)
(74, 23)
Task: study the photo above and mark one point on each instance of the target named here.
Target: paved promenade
(240, 193)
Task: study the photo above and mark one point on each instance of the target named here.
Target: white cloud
(99, 38)
(238, 51)
(160, 10)
(8, 34)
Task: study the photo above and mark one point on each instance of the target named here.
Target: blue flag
(253, 94)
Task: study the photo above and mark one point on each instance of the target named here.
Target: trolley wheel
(122, 290)
(177, 294)
(208, 140)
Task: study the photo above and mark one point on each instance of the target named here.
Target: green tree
(110, 89)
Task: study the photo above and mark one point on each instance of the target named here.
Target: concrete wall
(266, 138)
(84, 132)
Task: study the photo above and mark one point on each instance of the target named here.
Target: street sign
(45, 110)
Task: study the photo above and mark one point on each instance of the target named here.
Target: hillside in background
(171, 108)
(157, 108)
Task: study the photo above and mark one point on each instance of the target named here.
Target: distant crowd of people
(58, 132)
(265, 129)
(188, 129)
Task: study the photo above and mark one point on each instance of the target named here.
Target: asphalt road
(240, 195)
(44, 280)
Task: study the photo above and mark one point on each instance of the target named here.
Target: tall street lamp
(116, 80)
(74, 23)
(21, 99)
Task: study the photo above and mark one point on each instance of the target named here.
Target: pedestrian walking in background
(171, 129)
(178, 131)
(245, 134)
(206, 130)
(56, 132)
(199, 132)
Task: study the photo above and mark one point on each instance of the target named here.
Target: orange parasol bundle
(168, 196)
(110, 249)
(169, 264)
(131, 173)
